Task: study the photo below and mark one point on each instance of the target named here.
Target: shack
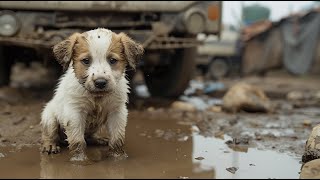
(291, 43)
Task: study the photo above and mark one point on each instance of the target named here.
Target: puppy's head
(99, 58)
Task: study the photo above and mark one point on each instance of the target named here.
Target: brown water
(157, 148)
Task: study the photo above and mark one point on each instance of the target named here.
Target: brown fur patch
(80, 52)
(116, 51)
(127, 48)
(63, 50)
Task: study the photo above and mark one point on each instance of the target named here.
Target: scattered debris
(214, 86)
(215, 109)
(295, 96)
(183, 106)
(19, 121)
(199, 158)
(195, 129)
(232, 169)
(238, 141)
(183, 138)
(307, 122)
(243, 96)
(150, 109)
(312, 148)
(159, 133)
(311, 170)
(4, 140)
(183, 177)
(219, 134)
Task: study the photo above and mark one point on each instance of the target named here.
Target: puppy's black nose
(100, 83)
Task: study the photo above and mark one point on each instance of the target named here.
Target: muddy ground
(163, 142)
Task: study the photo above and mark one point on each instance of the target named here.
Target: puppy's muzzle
(100, 83)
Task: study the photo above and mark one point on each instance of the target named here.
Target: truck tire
(5, 69)
(218, 68)
(172, 80)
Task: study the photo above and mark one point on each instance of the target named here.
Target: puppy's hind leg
(50, 135)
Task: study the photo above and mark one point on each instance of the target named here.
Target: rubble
(295, 95)
(312, 148)
(311, 170)
(243, 96)
(215, 109)
(183, 106)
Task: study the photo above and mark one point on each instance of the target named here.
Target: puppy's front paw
(50, 148)
(117, 148)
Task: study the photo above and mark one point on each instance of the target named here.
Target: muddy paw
(118, 155)
(98, 141)
(50, 148)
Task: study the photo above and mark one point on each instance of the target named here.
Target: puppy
(93, 91)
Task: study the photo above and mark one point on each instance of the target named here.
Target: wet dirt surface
(162, 142)
(157, 148)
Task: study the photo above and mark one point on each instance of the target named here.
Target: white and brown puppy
(92, 92)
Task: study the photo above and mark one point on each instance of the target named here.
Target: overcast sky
(231, 9)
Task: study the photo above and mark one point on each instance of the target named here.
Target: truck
(220, 57)
(166, 29)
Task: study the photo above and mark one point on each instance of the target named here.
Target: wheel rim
(218, 68)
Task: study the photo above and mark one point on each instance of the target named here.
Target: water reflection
(157, 148)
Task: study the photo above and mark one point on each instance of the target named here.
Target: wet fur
(77, 106)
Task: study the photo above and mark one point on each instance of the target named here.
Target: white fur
(77, 111)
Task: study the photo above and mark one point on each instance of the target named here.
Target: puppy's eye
(113, 61)
(85, 61)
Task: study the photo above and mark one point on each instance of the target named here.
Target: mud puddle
(157, 148)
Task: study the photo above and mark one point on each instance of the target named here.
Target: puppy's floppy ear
(63, 50)
(133, 51)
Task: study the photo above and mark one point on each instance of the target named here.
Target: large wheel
(171, 80)
(5, 68)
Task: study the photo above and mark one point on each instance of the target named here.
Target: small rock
(252, 165)
(215, 109)
(31, 127)
(195, 129)
(311, 170)
(312, 148)
(150, 109)
(243, 96)
(258, 137)
(307, 122)
(184, 138)
(232, 169)
(199, 158)
(238, 141)
(159, 132)
(295, 96)
(317, 95)
(183, 106)
(1, 155)
(183, 177)
(219, 134)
